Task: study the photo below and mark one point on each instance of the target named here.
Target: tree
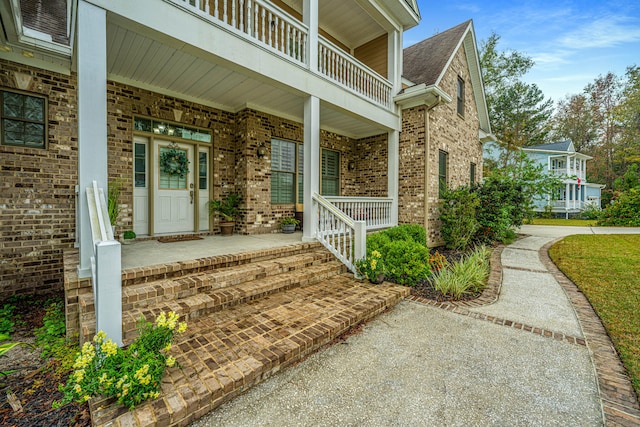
(574, 121)
(605, 94)
(518, 112)
(627, 115)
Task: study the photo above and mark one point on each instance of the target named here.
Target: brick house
(444, 123)
(275, 100)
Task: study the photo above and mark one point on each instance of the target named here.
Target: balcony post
(310, 19)
(394, 60)
(92, 118)
(311, 165)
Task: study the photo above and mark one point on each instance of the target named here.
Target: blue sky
(572, 42)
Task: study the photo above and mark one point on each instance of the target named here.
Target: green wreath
(174, 162)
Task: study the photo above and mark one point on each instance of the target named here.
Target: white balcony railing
(258, 19)
(569, 173)
(271, 27)
(352, 74)
(375, 211)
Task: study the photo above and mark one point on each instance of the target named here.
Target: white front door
(174, 188)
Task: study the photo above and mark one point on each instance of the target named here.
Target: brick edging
(619, 399)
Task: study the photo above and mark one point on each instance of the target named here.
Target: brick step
(185, 268)
(213, 299)
(224, 353)
(195, 306)
(136, 296)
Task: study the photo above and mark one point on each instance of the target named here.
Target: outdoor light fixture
(261, 151)
(351, 165)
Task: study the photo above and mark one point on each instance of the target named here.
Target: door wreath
(174, 162)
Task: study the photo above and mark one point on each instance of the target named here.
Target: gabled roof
(426, 61)
(425, 64)
(561, 146)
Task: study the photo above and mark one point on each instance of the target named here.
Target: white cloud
(606, 31)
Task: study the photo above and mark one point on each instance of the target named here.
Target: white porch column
(393, 167)
(310, 19)
(394, 60)
(311, 164)
(92, 117)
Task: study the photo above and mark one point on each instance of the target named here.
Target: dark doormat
(171, 239)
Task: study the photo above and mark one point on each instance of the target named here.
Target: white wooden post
(108, 289)
(393, 165)
(360, 243)
(310, 18)
(92, 117)
(311, 164)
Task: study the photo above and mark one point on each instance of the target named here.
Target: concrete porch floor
(144, 253)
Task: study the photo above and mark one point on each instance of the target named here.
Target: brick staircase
(249, 316)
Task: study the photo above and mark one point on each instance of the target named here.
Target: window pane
(203, 170)
(13, 132)
(34, 135)
(282, 189)
(140, 165)
(13, 104)
(34, 108)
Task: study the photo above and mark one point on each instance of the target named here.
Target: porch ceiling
(173, 68)
(337, 17)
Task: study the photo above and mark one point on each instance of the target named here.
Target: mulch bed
(35, 384)
(425, 289)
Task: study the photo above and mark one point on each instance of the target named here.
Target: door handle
(191, 195)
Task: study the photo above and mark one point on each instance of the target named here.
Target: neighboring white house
(562, 159)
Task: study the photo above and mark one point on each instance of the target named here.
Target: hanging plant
(174, 162)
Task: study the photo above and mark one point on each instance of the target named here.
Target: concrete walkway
(523, 360)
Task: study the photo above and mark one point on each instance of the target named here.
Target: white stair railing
(106, 271)
(341, 235)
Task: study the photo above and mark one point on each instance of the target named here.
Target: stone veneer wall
(37, 202)
(448, 131)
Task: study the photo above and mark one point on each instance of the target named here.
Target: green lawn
(565, 222)
(607, 270)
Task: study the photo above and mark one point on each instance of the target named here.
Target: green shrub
(7, 319)
(376, 241)
(52, 333)
(591, 212)
(468, 276)
(625, 210)
(407, 262)
(372, 267)
(458, 216)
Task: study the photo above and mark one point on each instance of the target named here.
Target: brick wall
(448, 131)
(37, 187)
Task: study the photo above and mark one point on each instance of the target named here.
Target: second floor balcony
(352, 51)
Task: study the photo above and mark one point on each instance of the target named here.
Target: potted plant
(229, 210)
(113, 202)
(288, 224)
(128, 236)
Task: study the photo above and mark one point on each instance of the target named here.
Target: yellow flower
(182, 327)
(86, 397)
(77, 388)
(167, 347)
(161, 320)
(154, 394)
(103, 378)
(171, 361)
(374, 262)
(376, 254)
(109, 348)
(79, 375)
(100, 336)
(172, 320)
